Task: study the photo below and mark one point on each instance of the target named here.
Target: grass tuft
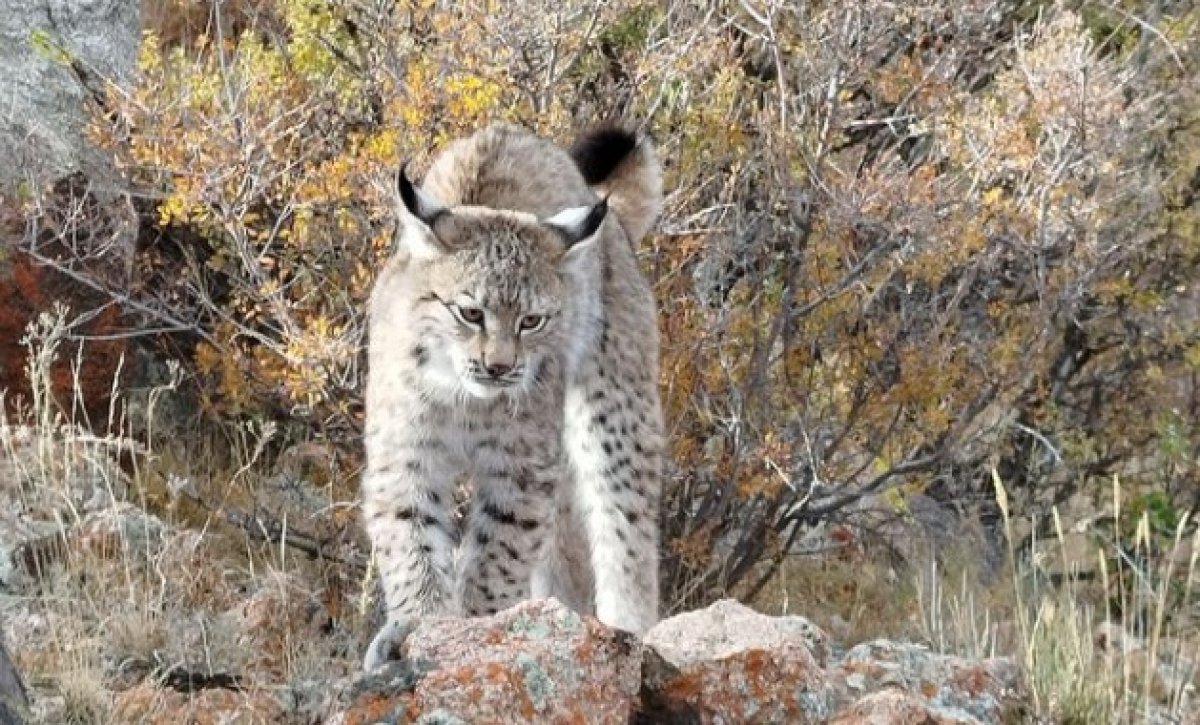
(1113, 645)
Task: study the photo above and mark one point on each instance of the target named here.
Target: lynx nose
(498, 370)
(498, 357)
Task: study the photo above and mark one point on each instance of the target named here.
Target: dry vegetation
(910, 250)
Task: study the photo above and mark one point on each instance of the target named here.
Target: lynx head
(491, 287)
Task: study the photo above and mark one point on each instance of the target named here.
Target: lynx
(514, 350)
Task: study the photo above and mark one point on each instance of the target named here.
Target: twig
(261, 527)
(176, 325)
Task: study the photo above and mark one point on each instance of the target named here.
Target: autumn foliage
(904, 243)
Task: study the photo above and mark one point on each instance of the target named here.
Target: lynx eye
(531, 323)
(467, 315)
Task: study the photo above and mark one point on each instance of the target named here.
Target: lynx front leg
(507, 531)
(406, 504)
(564, 570)
(614, 443)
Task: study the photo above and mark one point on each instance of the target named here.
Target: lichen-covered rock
(896, 707)
(727, 627)
(283, 610)
(58, 472)
(17, 534)
(54, 55)
(29, 547)
(728, 663)
(985, 690)
(538, 662)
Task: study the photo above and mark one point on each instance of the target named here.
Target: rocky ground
(540, 662)
(124, 603)
(112, 614)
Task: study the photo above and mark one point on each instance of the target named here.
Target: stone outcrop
(59, 195)
(952, 687)
(536, 662)
(54, 56)
(540, 662)
(278, 647)
(728, 663)
(897, 707)
(148, 703)
(14, 703)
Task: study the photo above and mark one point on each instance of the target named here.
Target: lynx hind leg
(506, 534)
(565, 568)
(614, 442)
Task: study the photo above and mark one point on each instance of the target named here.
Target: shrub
(903, 244)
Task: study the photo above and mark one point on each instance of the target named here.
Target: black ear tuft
(418, 204)
(601, 150)
(591, 223)
(408, 194)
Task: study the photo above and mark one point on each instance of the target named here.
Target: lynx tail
(619, 164)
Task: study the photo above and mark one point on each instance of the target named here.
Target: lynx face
(495, 348)
(496, 324)
(493, 286)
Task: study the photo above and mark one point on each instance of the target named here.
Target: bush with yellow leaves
(903, 243)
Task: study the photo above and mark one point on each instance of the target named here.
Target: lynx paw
(385, 647)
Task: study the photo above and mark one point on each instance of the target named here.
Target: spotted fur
(514, 345)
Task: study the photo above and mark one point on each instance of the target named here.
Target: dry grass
(85, 699)
(124, 585)
(859, 590)
(855, 598)
(1122, 647)
(1116, 641)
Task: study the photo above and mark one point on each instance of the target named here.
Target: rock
(54, 56)
(727, 627)
(54, 471)
(72, 227)
(270, 649)
(17, 534)
(123, 530)
(29, 547)
(14, 702)
(202, 571)
(299, 494)
(728, 663)
(283, 610)
(895, 707)
(60, 194)
(538, 662)
(985, 691)
(148, 703)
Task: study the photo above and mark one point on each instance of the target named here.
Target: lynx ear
(579, 225)
(421, 211)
